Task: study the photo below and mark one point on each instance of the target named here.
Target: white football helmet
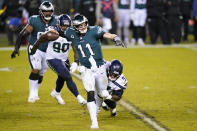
(46, 6)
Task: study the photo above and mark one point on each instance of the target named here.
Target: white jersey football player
(57, 58)
(117, 83)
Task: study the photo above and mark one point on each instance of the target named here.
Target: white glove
(81, 69)
(93, 63)
(105, 94)
(73, 67)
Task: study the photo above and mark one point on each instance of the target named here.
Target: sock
(32, 86)
(92, 111)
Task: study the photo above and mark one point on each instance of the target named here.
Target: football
(52, 35)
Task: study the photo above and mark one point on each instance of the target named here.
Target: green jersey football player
(87, 43)
(37, 25)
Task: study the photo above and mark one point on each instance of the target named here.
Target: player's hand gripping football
(118, 42)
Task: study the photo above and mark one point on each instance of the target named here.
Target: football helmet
(64, 20)
(78, 24)
(46, 6)
(115, 69)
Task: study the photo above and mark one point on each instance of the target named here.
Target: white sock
(92, 111)
(98, 103)
(32, 86)
(36, 90)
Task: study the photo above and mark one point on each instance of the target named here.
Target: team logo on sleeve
(99, 30)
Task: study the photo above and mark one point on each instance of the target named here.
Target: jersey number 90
(60, 48)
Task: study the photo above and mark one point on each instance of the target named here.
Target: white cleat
(140, 42)
(58, 97)
(31, 100)
(37, 98)
(94, 126)
(81, 100)
(113, 112)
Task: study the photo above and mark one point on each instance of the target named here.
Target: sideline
(136, 111)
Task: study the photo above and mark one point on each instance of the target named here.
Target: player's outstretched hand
(73, 67)
(119, 42)
(13, 55)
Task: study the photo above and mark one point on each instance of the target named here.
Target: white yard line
(136, 111)
(190, 46)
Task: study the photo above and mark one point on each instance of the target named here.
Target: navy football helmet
(115, 69)
(77, 23)
(46, 6)
(64, 20)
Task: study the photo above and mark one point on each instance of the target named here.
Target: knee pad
(40, 79)
(110, 103)
(34, 76)
(90, 96)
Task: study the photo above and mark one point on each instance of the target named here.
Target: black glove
(119, 42)
(13, 55)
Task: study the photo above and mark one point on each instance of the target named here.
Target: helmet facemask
(80, 24)
(64, 22)
(115, 70)
(46, 10)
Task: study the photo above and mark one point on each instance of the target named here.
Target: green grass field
(162, 83)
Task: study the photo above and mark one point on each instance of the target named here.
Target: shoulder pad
(122, 80)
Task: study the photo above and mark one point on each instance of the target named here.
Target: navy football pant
(63, 73)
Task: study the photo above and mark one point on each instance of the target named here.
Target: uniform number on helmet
(89, 48)
(58, 47)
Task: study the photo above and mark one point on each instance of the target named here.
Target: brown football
(52, 35)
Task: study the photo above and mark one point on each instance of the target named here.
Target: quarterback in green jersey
(37, 25)
(86, 41)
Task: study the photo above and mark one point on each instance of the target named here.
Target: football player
(35, 27)
(57, 57)
(117, 83)
(86, 42)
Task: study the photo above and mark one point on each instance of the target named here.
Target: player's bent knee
(40, 79)
(116, 98)
(90, 96)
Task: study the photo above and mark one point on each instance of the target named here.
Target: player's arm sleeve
(99, 32)
(76, 57)
(22, 35)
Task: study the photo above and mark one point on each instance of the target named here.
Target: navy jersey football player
(117, 83)
(57, 57)
(35, 27)
(86, 42)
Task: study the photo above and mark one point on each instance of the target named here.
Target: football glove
(73, 67)
(118, 42)
(13, 55)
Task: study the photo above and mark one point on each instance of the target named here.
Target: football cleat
(81, 100)
(58, 97)
(104, 106)
(31, 100)
(94, 126)
(113, 112)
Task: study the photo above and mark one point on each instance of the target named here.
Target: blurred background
(137, 22)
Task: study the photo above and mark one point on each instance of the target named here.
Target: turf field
(161, 94)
